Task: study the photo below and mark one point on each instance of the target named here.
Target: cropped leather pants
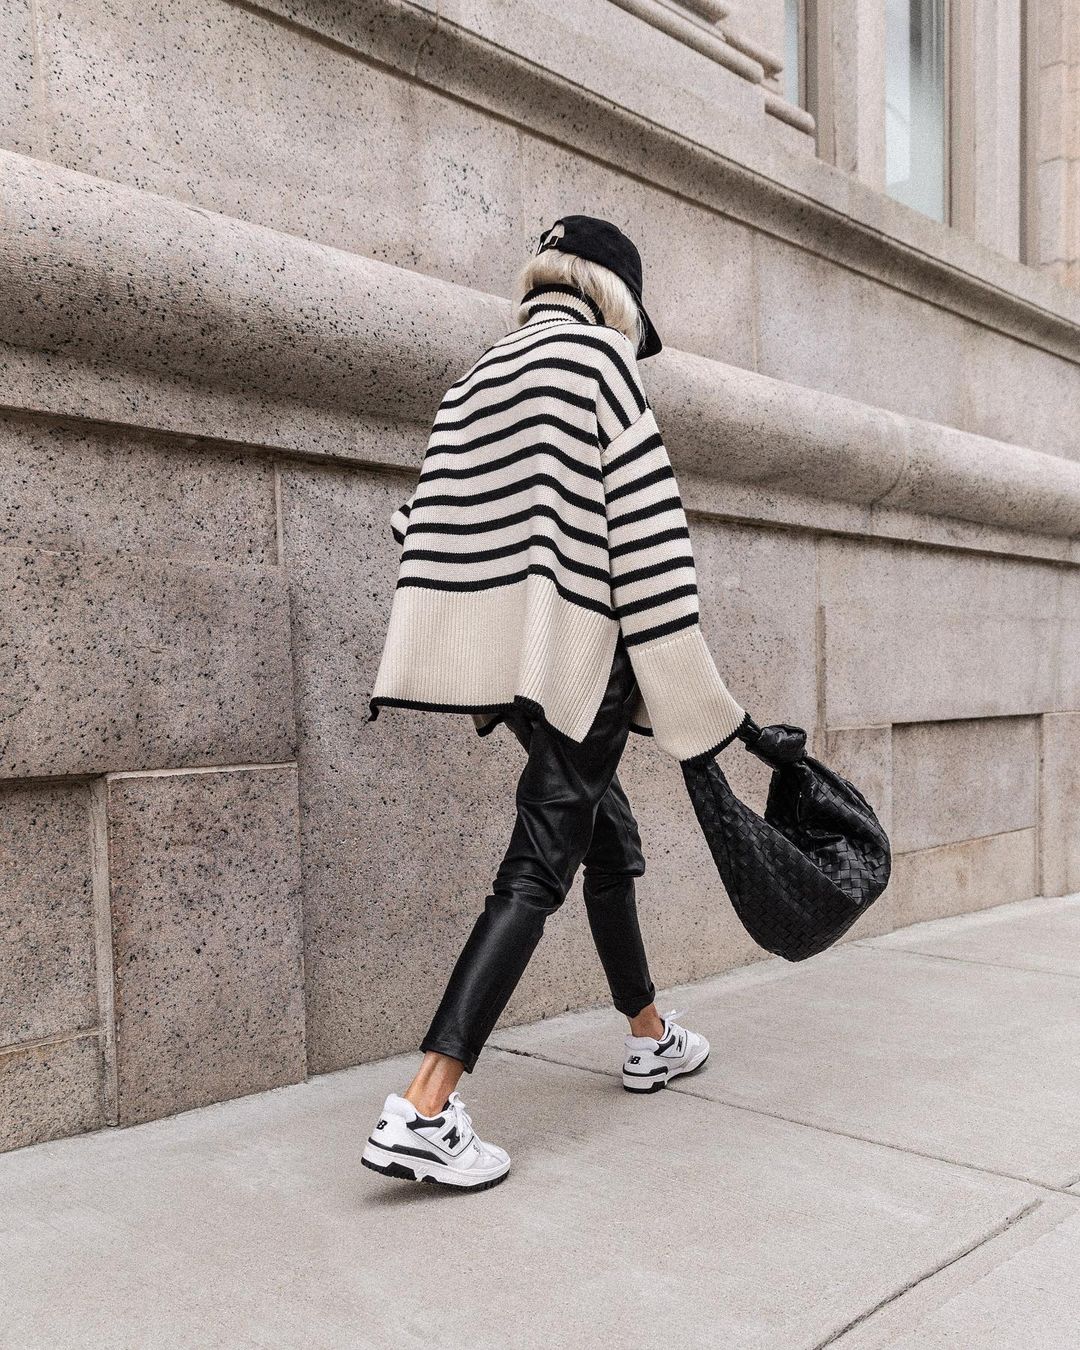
(571, 809)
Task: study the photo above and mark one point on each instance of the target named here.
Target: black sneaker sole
(405, 1173)
(662, 1083)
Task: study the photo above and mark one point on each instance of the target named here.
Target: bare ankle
(436, 1078)
(648, 1022)
(426, 1103)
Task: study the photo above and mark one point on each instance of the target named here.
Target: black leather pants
(570, 809)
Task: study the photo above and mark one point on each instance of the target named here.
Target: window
(794, 52)
(915, 132)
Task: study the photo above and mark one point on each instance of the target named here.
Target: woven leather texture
(800, 876)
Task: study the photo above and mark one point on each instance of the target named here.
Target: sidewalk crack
(993, 1233)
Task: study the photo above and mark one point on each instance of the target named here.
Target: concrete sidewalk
(884, 1151)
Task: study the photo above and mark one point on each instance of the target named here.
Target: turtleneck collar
(554, 300)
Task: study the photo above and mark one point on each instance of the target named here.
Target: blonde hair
(599, 283)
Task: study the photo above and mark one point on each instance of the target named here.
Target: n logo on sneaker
(452, 1138)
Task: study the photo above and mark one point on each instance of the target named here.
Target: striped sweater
(546, 519)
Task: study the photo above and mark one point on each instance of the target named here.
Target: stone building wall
(244, 249)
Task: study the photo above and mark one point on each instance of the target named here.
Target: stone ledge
(110, 273)
(484, 58)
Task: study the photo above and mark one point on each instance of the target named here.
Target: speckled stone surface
(249, 130)
(204, 875)
(863, 755)
(16, 76)
(369, 337)
(47, 981)
(117, 662)
(403, 819)
(918, 635)
(958, 878)
(1059, 804)
(66, 486)
(48, 1091)
(963, 779)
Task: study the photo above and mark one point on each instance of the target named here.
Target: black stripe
(540, 419)
(631, 455)
(651, 1073)
(411, 1152)
(560, 363)
(564, 288)
(653, 570)
(522, 484)
(655, 601)
(397, 534)
(622, 414)
(519, 701)
(541, 451)
(567, 310)
(653, 442)
(636, 545)
(489, 554)
(646, 480)
(661, 630)
(501, 522)
(645, 512)
(534, 569)
(522, 396)
(703, 755)
(580, 336)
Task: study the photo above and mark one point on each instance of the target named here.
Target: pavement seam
(989, 1236)
(685, 1091)
(871, 946)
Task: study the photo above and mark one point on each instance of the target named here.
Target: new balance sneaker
(651, 1064)
(443, 1148)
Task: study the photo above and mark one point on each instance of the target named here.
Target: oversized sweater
(546, 519)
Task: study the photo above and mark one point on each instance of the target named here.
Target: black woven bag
(799, 877)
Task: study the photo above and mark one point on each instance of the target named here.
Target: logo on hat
(550, 238)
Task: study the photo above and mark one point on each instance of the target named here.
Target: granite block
(207, 941)
(935, 883)
(69, 487)
(1047, 415)
(844, 333)
(49, 1091)
(309, 140)
(918, 634)
(1067, 697)
(864, 756)
(116, 662)
(17, 76)
(47, 973)
(963, 779)
(1059, 804)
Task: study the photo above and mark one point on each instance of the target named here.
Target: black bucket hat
(602, 242)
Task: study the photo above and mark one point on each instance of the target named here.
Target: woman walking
(546, 580)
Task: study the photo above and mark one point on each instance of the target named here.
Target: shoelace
(461, 1117)
(670, 1022)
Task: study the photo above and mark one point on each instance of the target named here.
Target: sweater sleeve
(655, 596)
(399, 520)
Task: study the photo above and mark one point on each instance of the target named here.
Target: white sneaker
(443, 1148)
(650, 1064)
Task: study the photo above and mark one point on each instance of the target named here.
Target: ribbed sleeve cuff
(691, 710)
